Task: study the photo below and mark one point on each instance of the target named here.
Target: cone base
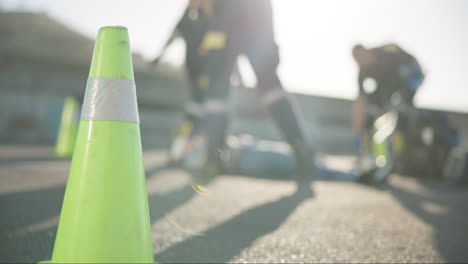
(105, 216)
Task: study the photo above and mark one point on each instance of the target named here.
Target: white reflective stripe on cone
(215, 106)
(273, 96)
(110, 99)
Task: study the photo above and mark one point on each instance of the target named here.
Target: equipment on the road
(430, 146)
(248, 156)
(376, 160)
(245, 155)
(68, 128)
(412, 142)
(456, 166)
(105, 216)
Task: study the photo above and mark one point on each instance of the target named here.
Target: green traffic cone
(105, 216)
(68, 127)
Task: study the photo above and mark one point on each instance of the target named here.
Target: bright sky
(315, 38)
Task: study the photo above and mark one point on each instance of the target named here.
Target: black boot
(305, 160)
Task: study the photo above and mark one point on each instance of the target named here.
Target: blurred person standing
(191, 28)
(235, 28)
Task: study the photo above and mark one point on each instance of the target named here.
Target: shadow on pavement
(445, 209)
(13, 161)
(27, 228)
(223, 242)
(155, 170)
(29, 225)
(161, 204)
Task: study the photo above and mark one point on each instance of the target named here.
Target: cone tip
(111, 28)
(112, 55)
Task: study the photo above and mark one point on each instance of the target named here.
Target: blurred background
(45, 53)
(47, 45)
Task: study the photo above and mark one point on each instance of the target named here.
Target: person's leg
(275, 99)
(218, 61)
(219, 64)
(194, 107)
(283, 112)
(255, 35)
(193, 112)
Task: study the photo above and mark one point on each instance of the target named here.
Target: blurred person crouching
(389, 79)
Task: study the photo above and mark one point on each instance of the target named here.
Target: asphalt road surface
(246, 219)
